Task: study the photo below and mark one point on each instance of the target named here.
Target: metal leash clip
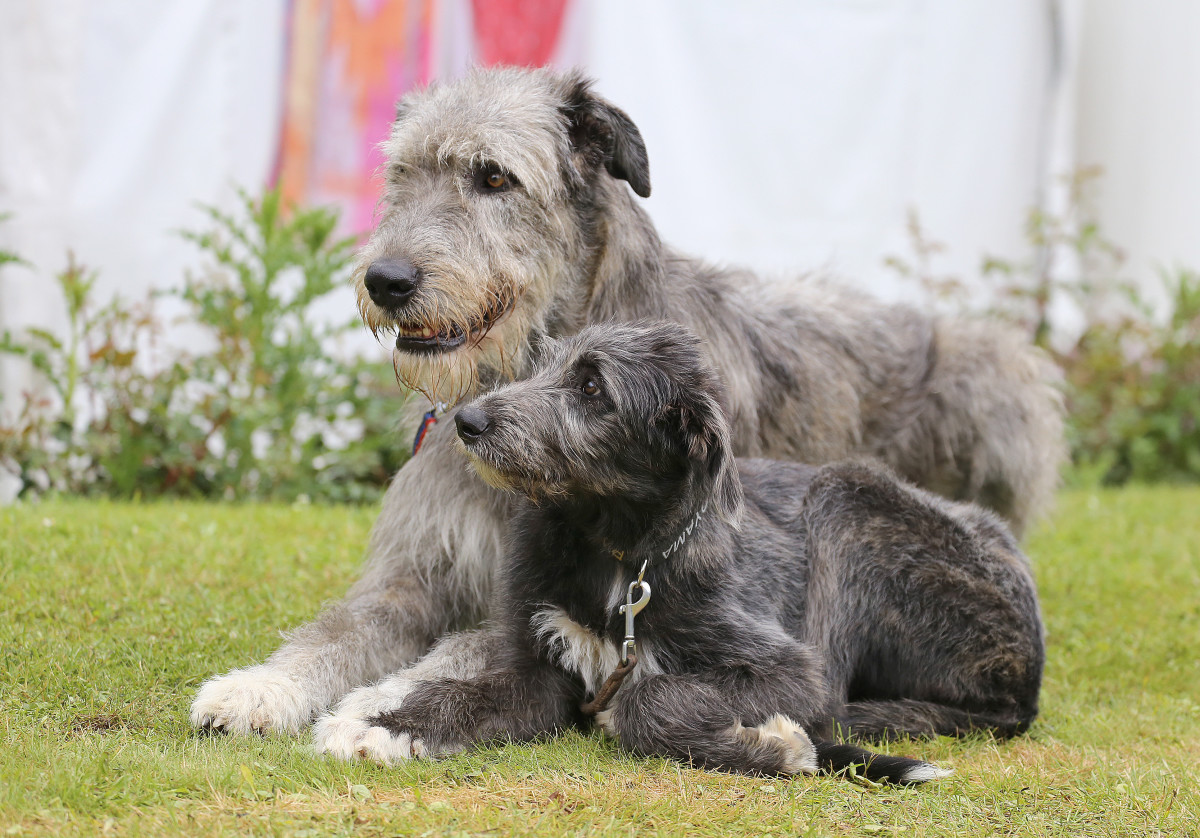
(612, 683)
(631, 609)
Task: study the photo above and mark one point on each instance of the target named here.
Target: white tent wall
(1138, 117)
(798, 135)
(116, 119)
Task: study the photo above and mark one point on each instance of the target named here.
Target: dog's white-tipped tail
(838, 758)
(924, 772)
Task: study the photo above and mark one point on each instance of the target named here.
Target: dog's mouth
(431, 340)
(499, 474)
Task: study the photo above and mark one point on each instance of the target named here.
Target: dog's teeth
(423, 332)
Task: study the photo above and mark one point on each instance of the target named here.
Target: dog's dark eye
(491, 179)
(590, 388)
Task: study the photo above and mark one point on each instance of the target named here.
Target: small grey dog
(787, 601)
(511, 216)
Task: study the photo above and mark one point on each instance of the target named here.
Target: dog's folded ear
(727, 497)
(710, 446)
(605, 133)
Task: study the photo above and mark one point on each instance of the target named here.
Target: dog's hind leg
(908, 717)
(925, 610)
(994, 433)
(429, 571)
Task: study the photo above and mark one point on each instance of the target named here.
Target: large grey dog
(775, 602)
(508, 218)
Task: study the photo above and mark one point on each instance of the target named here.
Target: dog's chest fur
(580, 649)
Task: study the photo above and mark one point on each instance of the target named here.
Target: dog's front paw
(348, 737)
(253, 700)
(799, 755)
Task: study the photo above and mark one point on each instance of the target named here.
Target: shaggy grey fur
(787, 600)
(508, 218)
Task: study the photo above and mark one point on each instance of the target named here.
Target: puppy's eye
(492, 179)
(590, 388)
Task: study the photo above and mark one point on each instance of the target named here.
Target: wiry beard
(450, 377)
(467, 339)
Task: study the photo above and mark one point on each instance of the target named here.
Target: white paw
(382, 746)
(605, 723)
(251, 701)
(350, 738)
(801, 756)
(339, 736)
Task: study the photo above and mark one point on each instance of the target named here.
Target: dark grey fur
(813, 372)
(838, 597)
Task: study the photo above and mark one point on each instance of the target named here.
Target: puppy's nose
(392, 282)
(472, 423)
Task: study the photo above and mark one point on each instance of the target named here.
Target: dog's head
(630, 410)
(493, 183)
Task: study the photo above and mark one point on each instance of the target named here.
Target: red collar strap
(428, 419)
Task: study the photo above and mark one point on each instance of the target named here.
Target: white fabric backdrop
(116, 119)
(1138, 116)
(797, 135)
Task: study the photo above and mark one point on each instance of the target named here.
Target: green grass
(112, 614)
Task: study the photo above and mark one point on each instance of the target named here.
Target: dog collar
(674, 546)
(430, 418)
(686, 532)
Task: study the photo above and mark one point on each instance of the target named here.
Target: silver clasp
(631, 609)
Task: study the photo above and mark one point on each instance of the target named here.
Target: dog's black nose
(472, 423)
(392, 282)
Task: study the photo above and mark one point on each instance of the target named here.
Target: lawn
(112, 615)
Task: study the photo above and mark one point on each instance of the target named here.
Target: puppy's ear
(606, 135)
(710, 446)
